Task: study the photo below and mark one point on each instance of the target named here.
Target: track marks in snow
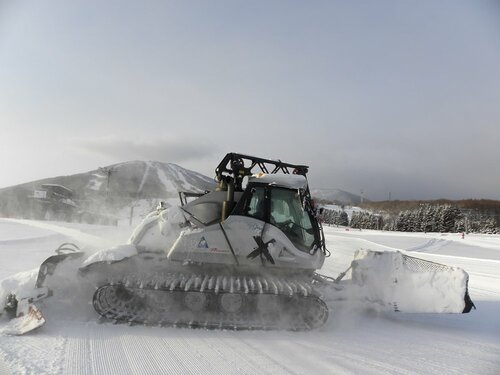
(107, 355)
(186, 354)
(151, 357)
(433, 244)
(97, 349)
(231, 352)
(322, 356)
(19, 353)
(201, 352)
(437, 343)
(77, 353)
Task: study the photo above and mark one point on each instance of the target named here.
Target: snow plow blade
(64, 251)
(410, 284)
(24, 316)
(28, 318)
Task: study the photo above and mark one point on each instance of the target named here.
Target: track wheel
(195, 301)
(123, 294)
(231, 302)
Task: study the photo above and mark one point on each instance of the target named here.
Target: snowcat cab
(271, 219)
(285, 205)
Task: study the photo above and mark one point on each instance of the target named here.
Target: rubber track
(267, 303)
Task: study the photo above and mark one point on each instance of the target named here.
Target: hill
(103, 191)
(117, 191)
(335, 196)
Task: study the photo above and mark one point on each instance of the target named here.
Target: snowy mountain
(108, 188)
(147, 179)
(116, 191)
(335, 195)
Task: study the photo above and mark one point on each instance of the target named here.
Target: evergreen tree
(488, 226)
(355, 220)
(343, 219)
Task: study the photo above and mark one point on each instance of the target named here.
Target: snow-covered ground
(354, 340)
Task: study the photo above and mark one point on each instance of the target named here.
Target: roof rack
(233, 165)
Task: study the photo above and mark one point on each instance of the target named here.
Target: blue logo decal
(203, 243)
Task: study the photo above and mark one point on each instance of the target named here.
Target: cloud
(169, 150)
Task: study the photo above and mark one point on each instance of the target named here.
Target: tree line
(424, 218)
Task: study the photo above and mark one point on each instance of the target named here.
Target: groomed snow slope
(355, 340)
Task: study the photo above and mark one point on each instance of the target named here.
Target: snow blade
(29, 317)
(49, 265)
(410, 284)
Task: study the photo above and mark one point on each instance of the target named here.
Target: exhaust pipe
(229, 203)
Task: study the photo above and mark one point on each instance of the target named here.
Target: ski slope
(354, 341)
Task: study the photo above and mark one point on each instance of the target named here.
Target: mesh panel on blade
(420, 265)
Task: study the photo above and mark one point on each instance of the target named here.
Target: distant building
(54, 202)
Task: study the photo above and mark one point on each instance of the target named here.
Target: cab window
(288, 215)
(282, 208)
(254, 204)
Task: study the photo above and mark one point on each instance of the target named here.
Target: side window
(280, 207)
(254, 204)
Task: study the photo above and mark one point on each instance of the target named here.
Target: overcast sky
(379, 96)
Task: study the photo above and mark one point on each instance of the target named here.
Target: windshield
(288, 215)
